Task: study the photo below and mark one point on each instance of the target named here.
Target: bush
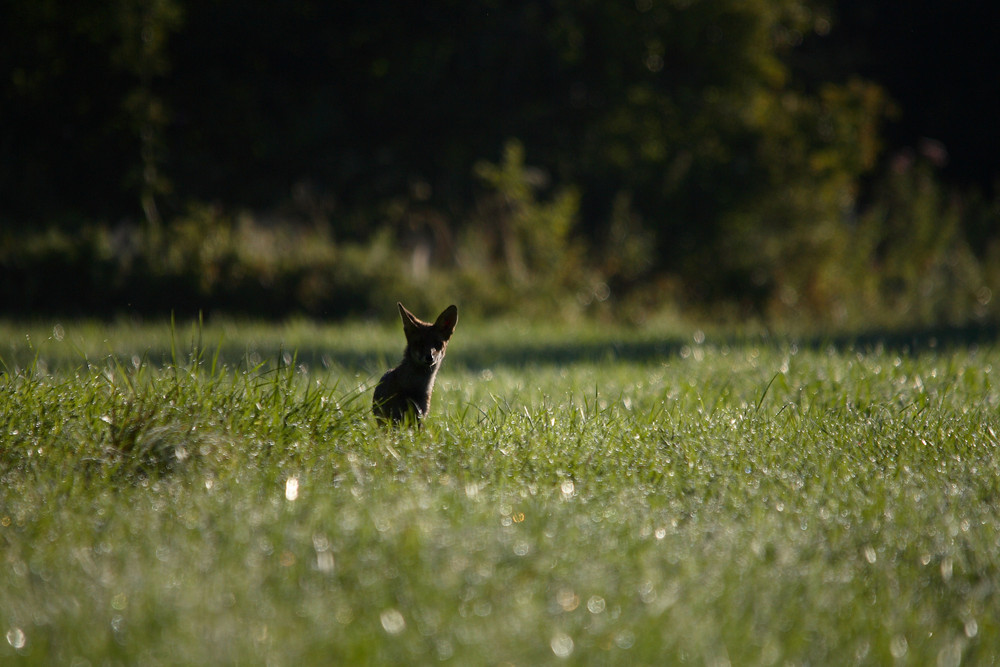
(917, 254)
(903, 260)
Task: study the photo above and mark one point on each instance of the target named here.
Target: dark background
(936, 61)
(719, 130)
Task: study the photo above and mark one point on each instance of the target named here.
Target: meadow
(218, 493)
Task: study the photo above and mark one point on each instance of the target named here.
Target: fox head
(426, 342)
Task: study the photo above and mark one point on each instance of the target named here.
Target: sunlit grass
(219, 494)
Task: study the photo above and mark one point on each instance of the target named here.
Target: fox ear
(446, 321)
(410, 323)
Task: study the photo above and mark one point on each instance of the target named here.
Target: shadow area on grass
(476, 356)
(363, 361)
(470, 356)
(520, 354)
(516, 352)
(910, 340)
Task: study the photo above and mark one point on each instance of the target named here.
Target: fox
(404, 392)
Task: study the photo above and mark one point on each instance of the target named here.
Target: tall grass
(598, 497)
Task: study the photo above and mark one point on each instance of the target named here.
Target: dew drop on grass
(325, 562)
(567, 599)
(320, 542)
(946, 569)
(562, 645)
(291, 488)
(16, 638)
(950, 655)
(393, 621)
(344, 614)
(444, 649)
(625, 639)
(898, 646)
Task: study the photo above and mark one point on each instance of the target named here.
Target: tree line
(726, 152)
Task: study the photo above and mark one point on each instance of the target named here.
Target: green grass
(220, 495)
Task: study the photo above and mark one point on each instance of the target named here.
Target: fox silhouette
(406, 389)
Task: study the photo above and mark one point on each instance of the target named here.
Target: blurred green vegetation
(305, 158)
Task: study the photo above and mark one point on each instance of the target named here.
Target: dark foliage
(731, 147)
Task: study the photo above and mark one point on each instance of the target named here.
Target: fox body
(406, 389)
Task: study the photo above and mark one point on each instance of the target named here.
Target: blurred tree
(534, 236)
(937, 61)
(144, 28)
(82, 120)
(718, 131)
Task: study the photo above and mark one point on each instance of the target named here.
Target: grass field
(219, 495)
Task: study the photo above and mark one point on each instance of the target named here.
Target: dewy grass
(607, 497)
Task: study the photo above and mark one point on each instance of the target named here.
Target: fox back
(406, 389)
